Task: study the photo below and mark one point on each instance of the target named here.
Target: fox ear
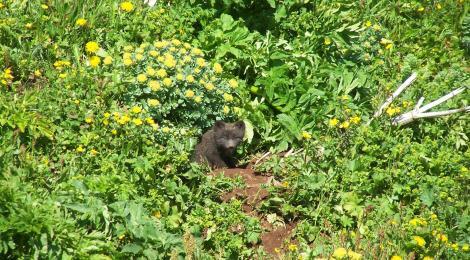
(240, 125)
(219, 124)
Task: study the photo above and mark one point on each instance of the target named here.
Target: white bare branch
(396, 93)
(442, 99)
(150, 3)
(415, 114)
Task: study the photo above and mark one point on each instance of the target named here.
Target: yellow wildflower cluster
(387, 43)
(417, 222)
(81, 22)
(419, 241)
(342, 253)
(61, 64)
(354, 120)
(92, 47)
(392, 110)
(164, 64)
(6, 77)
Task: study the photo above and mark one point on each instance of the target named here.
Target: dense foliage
(102, 102)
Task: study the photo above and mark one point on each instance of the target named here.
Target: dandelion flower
(81, 22)
(339, 253)
(292, 247)
(37, 73)
(355, 120)
(89, 120)
(92, 47)
(93, 152)
(80, 149)
(396, 257)
(114, 132)
(126, 6)
(333, 122)
(94, 61)
(368, 23)
(306, 135)
(419, 241)
(137, 121)
(127, 62)
(344, 125)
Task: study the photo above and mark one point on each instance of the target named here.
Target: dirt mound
(253, 194)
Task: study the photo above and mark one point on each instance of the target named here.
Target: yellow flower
(175, 42)
(465, 247)
(333, 122)
(154, 126)
(139, 56)
(127, 6)
(154, 85)
(89, 120)
(198, 99)
(108, 60)
(93, 152)
(114, 132)
(169, 61)
(153, 53)
(344, 125)
(141, 78)
(233, 83)
(37, 73)
(94, 61)
(137, 121)
(292, 247)
(392, 111)
(76, 101)
(306, 135)
(344, 97)
(327, 41)
(355, 120)
(419, 241)
(438, 6)
(189, 93)
(127, 62)
(277, 250)
(428, 258)
(128, 48)
(159, 44)
(200, 62)
(179, 76)
(421, 9)
(45, 7)
(136, 109)
(190, 78)
(92, 47)
(81, 22)
(166, 129)
(353, 255)
(139, 50)
(196, 51)
(210, 86)
(218, 68)
(105, 122)
(150, 121)
(153, 102)
(28, 25)
(443, 238)
(167, 82)
(454, 247)
(80, 149)
(62, 75)
(339, 253)
(1, 5)
(226, 110)
(389, 46)
(384, 41)
(285, 184)
(228, 97)
(161, 73)
(396, 257)
(368, 23)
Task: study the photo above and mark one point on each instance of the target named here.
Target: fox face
(228, 135)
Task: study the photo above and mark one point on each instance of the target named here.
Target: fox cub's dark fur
(219, 143)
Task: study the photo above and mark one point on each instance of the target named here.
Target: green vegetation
(102, 102)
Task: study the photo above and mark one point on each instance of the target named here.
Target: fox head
(228, 135)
